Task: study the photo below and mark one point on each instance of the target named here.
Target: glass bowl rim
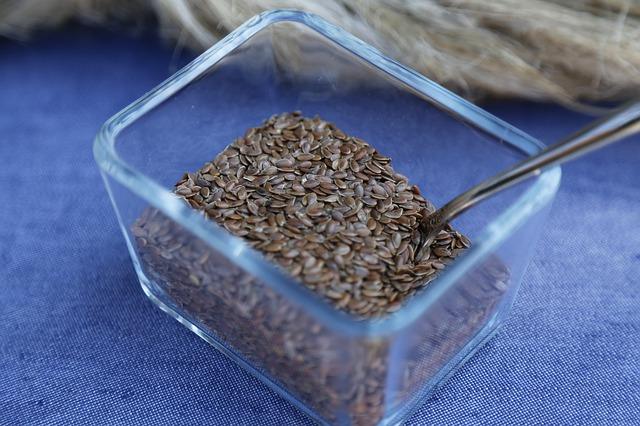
(537, 196)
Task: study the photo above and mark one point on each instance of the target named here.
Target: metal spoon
(617, 125)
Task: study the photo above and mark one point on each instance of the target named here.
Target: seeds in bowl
(326, 207)
(331, 211)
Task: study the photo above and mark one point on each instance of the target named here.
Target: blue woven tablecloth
(81, 344)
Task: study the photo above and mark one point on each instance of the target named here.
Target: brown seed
(253, 207)
(310, 183)
(369, 201)
(306, 157)
(342, 250)
(394, 214)
(396, 239)
(369, 258)
(285, 162)
(184, 191)
(272, 247)
(441, 252)
(315, 210)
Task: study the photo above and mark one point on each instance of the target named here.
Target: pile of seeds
(330, 210)
(326, 207)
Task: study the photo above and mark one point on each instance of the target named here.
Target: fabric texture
(81, 344)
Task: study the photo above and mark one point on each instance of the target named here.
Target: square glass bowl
(336, 368)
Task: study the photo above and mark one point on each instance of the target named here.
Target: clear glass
(336, 368)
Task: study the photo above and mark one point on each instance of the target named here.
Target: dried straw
(560, 50)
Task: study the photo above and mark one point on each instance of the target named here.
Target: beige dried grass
(560, 50)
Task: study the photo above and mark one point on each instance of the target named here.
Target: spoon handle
(619, 124)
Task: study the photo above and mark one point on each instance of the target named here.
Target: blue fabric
(80, 343)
